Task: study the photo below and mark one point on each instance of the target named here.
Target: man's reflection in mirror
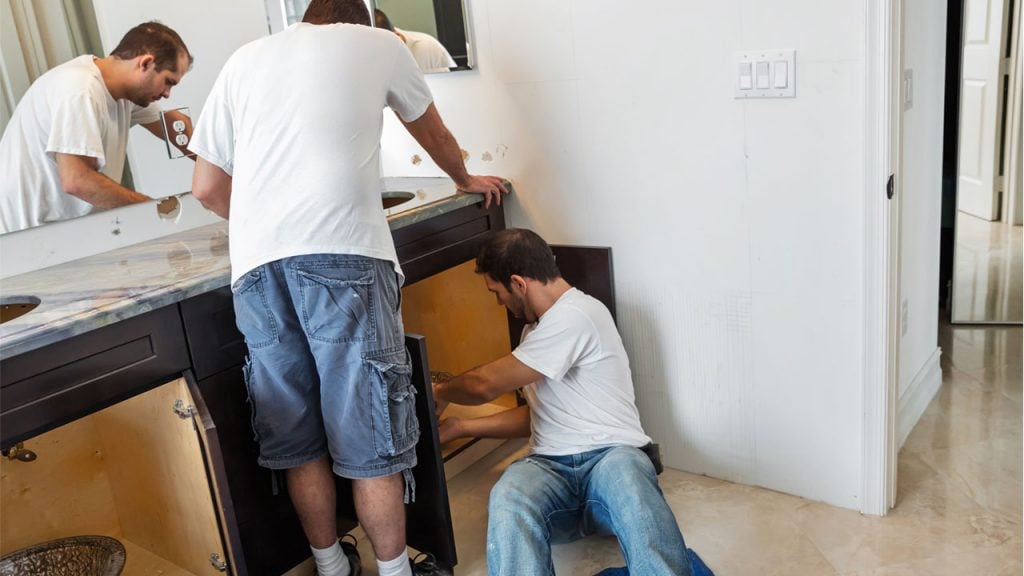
(62, 154)
(428, 52)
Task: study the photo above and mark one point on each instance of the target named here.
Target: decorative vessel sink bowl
(12, 307)
(79, 555)
(394, 198)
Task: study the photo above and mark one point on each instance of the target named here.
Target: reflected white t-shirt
(586, 399)
(429, 53)
(295, 118)
(67, 110)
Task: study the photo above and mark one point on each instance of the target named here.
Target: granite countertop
(97, 291)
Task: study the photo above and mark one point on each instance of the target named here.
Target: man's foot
(349, 548)
(425, 564)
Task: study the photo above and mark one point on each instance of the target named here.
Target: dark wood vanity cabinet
(196, 339)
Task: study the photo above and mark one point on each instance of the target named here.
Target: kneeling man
(586, 472)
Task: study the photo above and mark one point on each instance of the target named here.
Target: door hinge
(218, 563)
(890, 187)
(183, 412)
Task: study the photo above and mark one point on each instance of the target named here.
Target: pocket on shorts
(392, 401)
(337, 302)
(252, 311)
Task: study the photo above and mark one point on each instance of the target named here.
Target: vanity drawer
(45, 388)
(439, 243)
(213, 338)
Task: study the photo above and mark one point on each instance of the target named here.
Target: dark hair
(381, 20)
(516, 251)
(155, 39)
(337, 12)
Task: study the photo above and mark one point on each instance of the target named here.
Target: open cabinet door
(429, 518)
(586, 268)
(159, 479)
(209, 447)
(980, 106)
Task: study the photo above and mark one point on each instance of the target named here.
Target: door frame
(883, 119)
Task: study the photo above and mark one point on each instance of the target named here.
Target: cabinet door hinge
(183, 412)
(218, 563)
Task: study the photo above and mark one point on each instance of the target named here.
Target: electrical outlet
(904, 315)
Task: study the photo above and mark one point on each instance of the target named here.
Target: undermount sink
(394, 198)
(12, 307)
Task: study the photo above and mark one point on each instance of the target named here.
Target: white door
(980, 100)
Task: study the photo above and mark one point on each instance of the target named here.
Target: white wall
(737, 227)
(924, 44)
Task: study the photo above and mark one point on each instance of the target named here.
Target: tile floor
(987, 279)
(958, 508)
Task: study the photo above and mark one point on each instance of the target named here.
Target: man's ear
(146, 61)
(518, 283)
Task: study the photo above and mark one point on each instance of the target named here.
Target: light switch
(746, 77)
(764, 74)
(780, 70)
(763, 78)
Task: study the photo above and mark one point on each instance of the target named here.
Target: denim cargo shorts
(328, 371)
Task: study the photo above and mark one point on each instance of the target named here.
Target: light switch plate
(777, 62)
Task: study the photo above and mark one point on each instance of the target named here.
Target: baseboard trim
(919, 394)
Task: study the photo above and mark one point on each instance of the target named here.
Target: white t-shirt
(67, 110)
(428, 51)
(295, 118)
(585, 400)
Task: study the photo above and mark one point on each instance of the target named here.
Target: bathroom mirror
(429, 27)
(37, 36)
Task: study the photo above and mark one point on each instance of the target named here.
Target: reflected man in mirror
(430, 55)
(289, 148)
(587, 471)
(63, 153)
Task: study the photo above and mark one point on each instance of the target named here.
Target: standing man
(288, 146)
(62, 155)
(587, 471)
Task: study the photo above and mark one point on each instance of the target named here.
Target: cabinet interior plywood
(142, 562)
(464, 324)
(64, 492)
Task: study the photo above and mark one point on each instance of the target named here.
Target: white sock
(396, 567)
(331, 561)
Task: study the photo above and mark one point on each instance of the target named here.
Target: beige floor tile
(744, 530)
(966, 410)
(1002, 560)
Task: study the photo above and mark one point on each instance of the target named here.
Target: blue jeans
(542, 500)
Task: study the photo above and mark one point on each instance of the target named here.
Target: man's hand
(492, 187)
(439, 404)
(450, 429)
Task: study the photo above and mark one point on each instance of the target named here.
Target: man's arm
(431, 133)
(212, 187)
(514, 423)
(157, 129)
(485, 383)
(79, 176)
